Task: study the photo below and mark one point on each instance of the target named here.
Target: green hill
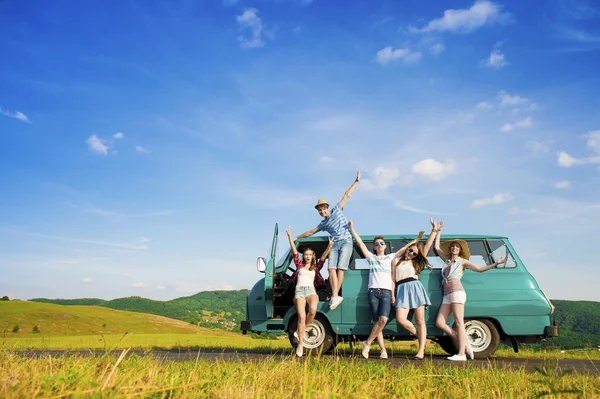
(213, 309)
(579, 323)
(21, 317)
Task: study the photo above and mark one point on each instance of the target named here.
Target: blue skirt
(411, 295)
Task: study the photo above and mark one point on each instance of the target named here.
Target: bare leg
(442, 319)
(380, 341)
(377, 330)
(421, 329)
(313, 301)
(301, 310)
(340, 280)
(333, 282)
(402, 320)
(459, 311)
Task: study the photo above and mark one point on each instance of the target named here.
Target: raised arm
(475, 268)
(348, 192)
(308, 233)
(292, 244)
(437, 248)
(326, 253)
(401, 251)
(359, 241)
(432, 235)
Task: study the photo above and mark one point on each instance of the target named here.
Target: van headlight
(548, 299)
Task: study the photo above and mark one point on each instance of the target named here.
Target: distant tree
(35, 330)
(4, 298)
(104, 325)
(15, 328)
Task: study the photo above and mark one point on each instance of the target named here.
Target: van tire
(322, 339)
(483, 337)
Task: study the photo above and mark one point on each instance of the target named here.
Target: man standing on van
(336, 224)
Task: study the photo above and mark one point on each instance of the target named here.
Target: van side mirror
(261, 265)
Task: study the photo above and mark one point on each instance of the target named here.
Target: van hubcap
(314, 335)
(478, 334)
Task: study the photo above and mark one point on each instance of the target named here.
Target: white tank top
(404, 270)
(306, 278)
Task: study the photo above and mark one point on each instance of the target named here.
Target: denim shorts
(304, 292)
(339, 257)
(380, 300)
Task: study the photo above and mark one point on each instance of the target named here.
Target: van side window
(479, 255)
(358, 261)
(499, 250)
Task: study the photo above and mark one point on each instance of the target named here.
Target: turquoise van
(503, 304)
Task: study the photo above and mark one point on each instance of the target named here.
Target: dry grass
(327, 377)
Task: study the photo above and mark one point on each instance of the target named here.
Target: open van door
(269, 274)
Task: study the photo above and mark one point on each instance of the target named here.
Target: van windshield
(283, 258)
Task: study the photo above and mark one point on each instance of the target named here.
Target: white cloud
(118, 136)
(143, 239)
(496, 60)
(96, 144)
(494, 200)
(465, 20)
(563, 184)
(525, 123)
(566, 161)
(437, 48)
(484, 105)
(433, 170)
(140, 285)
(509, 100)
(139, 148)
(161, 287)
(593, 141)
(403, 206)
(387, 55)
(383, 178)
(87, 280)
(17, 115)
(249, 20)
(325, 159)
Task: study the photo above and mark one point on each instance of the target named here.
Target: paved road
(530, 365)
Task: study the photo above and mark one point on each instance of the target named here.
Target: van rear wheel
(318, 335)
(483, 337)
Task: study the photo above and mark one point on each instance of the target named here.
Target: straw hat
(320, 202)
(463, 244)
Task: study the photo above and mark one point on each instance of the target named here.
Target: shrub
(104, 325)
(15, 328)
(35, 329)
(4, 298)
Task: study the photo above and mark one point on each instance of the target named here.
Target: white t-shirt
(405, 269)
(306, 278)
(380, 271)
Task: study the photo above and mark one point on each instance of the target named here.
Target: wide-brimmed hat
(463, 244)
(320, 202)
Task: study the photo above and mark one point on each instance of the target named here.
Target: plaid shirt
(299, 265)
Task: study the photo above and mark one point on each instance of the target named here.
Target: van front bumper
(551, 331)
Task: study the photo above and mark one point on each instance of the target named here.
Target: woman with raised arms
(307, 277)
(455, 254)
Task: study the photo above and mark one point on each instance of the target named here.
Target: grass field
(132, 376)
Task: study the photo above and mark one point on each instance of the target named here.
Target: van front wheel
(483, 337)
(318, 335)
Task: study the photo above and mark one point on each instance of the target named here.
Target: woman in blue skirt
(410, 293)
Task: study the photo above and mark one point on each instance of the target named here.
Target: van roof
(445, 237)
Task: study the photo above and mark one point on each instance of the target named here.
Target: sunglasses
(378, 243)
(411, 251)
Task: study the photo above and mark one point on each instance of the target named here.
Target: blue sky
(148, 148)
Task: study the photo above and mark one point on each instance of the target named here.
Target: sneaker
(383, 355)
(365, 349)
(457, 358)
(470, 351)
(335, 302)
(299, 350)
(296, 338)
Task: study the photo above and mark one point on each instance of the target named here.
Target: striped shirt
(336, 225)
(380, 271)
